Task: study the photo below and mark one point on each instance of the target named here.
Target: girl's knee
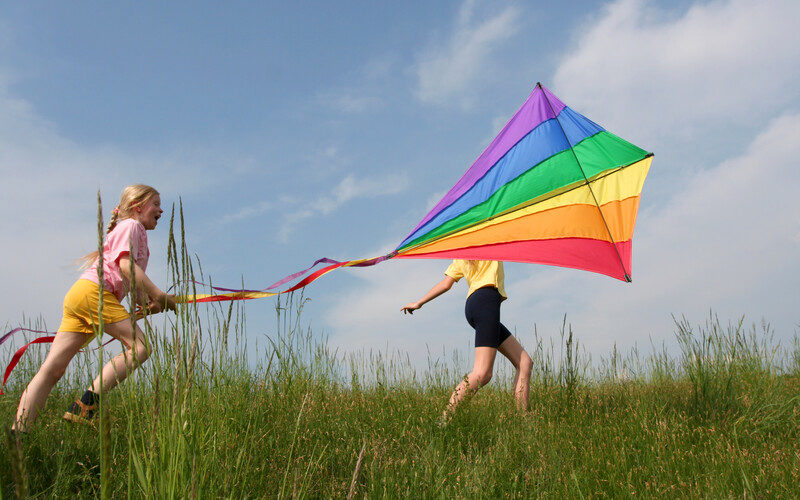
(52, 373)
(143, 352)
(482, 378)
(525, 363)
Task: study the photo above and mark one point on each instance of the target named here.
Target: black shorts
(483, 314)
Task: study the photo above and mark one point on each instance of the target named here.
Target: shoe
(80, 413)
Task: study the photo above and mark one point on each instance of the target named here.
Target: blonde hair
(132, 196)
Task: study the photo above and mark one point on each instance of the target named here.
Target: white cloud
(49, 208)
(363, 90)
(348, 189)
(292, 209)
(367, 316)
(726, 242)
(247, 212)
(445, 73)
(433, 200)
(351, 103)
(696, 89)
(352, 187)
(659, 79)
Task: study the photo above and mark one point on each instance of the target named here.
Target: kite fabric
(552, 188)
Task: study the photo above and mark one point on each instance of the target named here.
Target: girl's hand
(438, 289)
(166, 302)
(140, 313)
(153, 307)
(170, 303)
(410, 308)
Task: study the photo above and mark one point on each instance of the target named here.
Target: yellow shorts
(80, 308)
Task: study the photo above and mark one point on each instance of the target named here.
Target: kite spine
(588, 184)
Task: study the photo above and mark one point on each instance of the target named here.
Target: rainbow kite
(552, 188)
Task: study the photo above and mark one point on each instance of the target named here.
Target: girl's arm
(159, 299)
(438, 289)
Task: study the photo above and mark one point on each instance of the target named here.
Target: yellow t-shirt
(479, 273)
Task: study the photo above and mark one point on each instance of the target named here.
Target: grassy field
(719, 418)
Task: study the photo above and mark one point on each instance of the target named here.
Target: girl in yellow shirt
(486, 291)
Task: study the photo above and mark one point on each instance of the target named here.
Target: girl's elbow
(125, 272)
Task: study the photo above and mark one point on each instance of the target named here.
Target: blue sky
(293, 131)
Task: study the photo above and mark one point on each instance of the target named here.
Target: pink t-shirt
(128, 236)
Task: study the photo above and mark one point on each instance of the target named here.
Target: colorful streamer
(241, 294)
(49, 337)
(17, 355)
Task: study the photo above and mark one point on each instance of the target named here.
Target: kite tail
(228, 294)
(244, 294)
(17, 330)
(18, 355)
(49, 337)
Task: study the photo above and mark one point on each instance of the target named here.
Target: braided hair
(132, 196)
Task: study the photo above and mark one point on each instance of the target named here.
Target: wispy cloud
(363, 89)
(350, 188)
(726, 242)
(446, 72)
(290, 209)
(50, 186)
(379, 294)
(247, 212)
(353, 103)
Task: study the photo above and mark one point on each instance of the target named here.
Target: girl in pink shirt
(125, 256)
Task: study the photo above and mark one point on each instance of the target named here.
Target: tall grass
(207, 416)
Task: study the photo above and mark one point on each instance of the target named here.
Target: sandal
(80, 412)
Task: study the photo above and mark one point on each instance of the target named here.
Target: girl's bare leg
(63, 349)
(121, 365)
(511, 349)
(480, 375)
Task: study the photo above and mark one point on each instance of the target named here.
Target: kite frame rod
(588, 184)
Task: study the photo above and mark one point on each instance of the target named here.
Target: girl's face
(149, 212)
